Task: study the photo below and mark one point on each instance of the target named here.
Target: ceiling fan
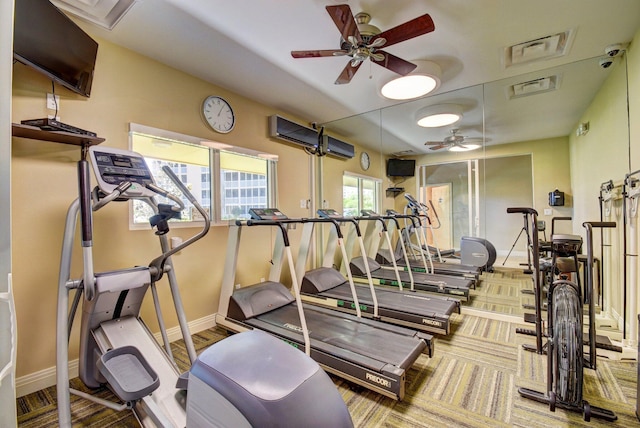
(361, 40)
(455, 142)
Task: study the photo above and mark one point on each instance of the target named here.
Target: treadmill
(363, 351)
(384, 255)
(326, 286)
(394, 277)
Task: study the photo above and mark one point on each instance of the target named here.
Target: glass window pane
(368, 194)
(187, 161)
(350, 197)
(359, 193)
(245, 176)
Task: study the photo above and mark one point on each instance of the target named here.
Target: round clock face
(365, 162)
(218, 114)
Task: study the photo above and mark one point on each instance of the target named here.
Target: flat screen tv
(401, 167)
(47, 40)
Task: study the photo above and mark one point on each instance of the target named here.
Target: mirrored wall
(527, 130)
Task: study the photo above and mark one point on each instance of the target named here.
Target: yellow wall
(610, 150)
(129, 88)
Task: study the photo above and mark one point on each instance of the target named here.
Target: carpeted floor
(501, 291)
(471, 381)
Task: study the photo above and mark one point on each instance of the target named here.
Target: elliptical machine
(249, 379)
(565, 354)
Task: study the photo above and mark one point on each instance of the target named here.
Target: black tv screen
(47, 40)
(401, 167)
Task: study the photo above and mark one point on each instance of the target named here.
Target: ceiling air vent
(105, 13)
(539, 49)
(533, 87)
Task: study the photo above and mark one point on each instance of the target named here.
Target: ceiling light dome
(438, 115)
(424, 79)
(465, 147)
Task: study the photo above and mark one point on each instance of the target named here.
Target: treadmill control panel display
(369, 213)
(329, 213)
(267, 214)
(114, 166)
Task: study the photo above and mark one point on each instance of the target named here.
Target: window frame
(215, 148)
(377, 190)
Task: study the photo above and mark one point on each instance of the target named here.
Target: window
(360, 192)
(225, 180)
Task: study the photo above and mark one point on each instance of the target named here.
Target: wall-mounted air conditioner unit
(339, 148)
(287, 130)
(292, 132)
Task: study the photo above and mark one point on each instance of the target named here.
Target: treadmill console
(369, 213)
(266, 214)
(392, 212)
(115, 166)
(329, 213)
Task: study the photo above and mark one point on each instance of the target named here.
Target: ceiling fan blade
(347, 73)
(343, 18)
(395, 64)
(410, 29)
(318, 53)
(433, 143)
(438, 147)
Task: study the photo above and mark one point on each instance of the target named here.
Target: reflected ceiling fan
(361, 40)
(455, 142)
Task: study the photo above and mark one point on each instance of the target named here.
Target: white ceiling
(244, 46)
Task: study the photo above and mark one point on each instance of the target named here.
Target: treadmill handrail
(372, 218)
(340, 243)
(325, 220)
(294, 280)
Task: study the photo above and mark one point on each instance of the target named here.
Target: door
(440, 197)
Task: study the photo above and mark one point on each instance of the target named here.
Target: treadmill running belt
(351, 335)
(414, 303)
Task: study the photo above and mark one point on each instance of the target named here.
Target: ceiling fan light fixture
(438, 115)
(464, 148)
(425, 78)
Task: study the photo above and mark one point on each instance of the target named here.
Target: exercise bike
(565, 353)
(249, 379)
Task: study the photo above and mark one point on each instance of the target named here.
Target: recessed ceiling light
(424, 79)
(438, 115)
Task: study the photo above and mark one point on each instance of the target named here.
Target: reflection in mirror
(526, 125)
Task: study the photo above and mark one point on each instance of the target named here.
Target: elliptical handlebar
(160, 191)
(157, 265)
(115, 194)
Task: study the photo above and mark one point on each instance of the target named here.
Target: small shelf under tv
(34, 133)
(395, 191)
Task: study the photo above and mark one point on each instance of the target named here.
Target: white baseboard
(45, 378)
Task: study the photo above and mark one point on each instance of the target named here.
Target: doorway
(454, 191)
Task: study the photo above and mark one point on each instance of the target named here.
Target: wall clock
(365, 161)
(218, 114)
